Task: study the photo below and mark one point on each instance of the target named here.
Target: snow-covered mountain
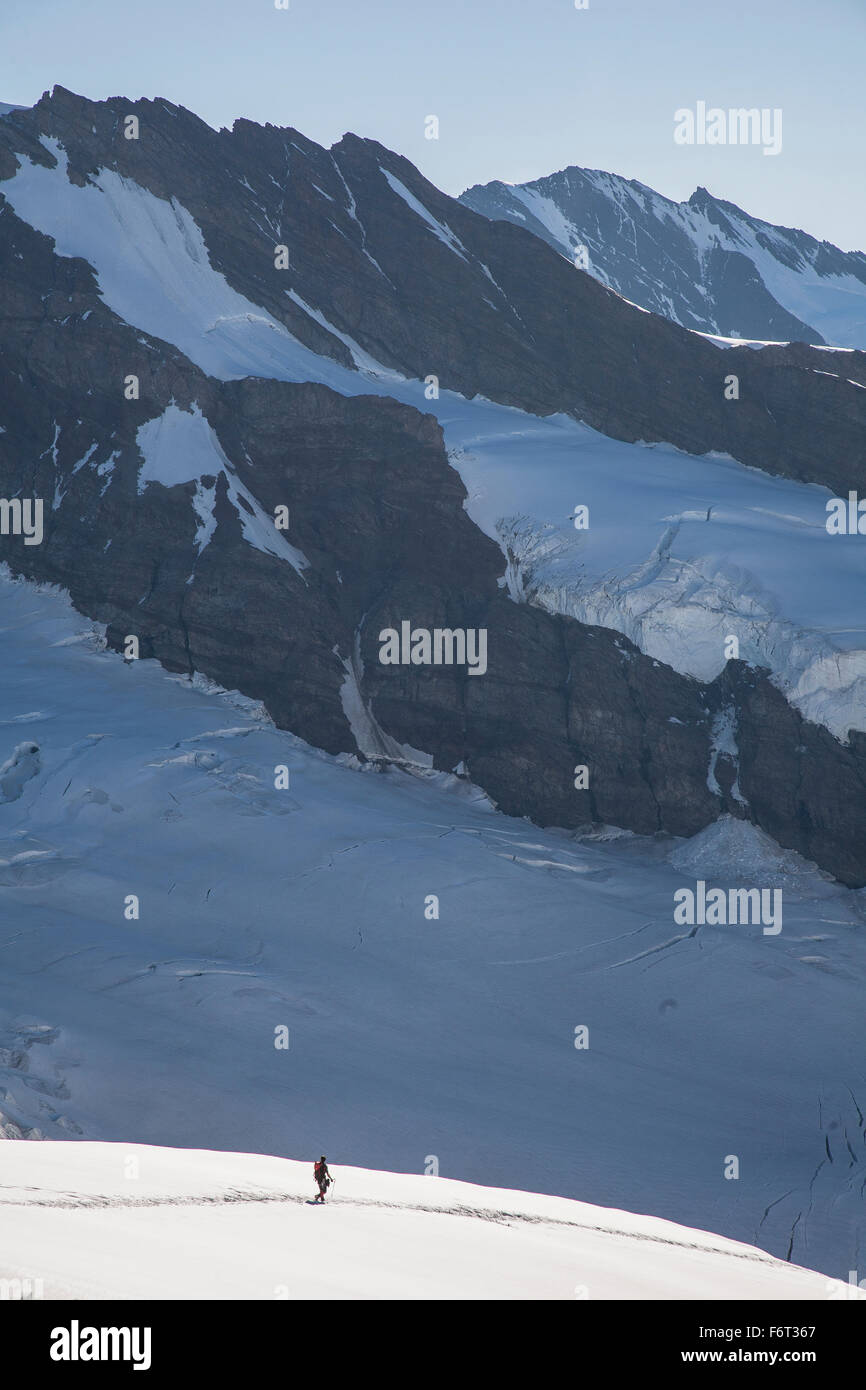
(240, 1226)
(703, 263)
(340, 854)
(311, 387)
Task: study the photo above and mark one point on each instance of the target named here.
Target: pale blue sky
(520, 87)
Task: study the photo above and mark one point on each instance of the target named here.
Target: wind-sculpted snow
(304, 908)
(236, 1225)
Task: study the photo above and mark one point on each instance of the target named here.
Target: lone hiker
(322, 1176)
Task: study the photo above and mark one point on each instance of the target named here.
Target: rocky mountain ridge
(158, 508)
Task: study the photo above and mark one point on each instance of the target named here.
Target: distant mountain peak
(704, 263)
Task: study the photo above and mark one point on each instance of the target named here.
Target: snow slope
(410, 1036)
(680, 552)
(167, 286)
(241, 1226)
(179, 446)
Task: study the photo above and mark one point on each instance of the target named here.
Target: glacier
(303, 907)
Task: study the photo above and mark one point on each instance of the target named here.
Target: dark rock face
(653, 251)
(803, 787)
(376, 509)
(556, 695)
